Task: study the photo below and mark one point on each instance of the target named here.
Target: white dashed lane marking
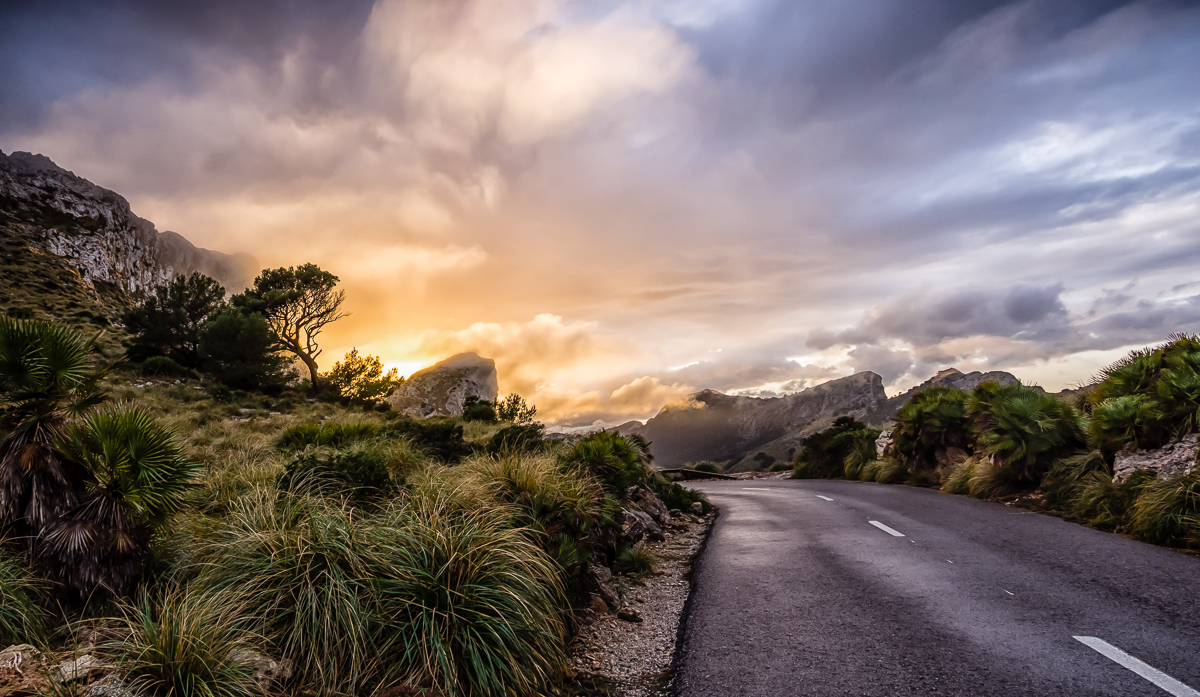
(824, 497)
(1147, 671)
(885, 528)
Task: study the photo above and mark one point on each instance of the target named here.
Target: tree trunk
(313, 376)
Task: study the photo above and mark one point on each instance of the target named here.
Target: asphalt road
(799, 595)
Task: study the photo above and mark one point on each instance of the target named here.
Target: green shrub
(1022, 429)
(934, 420)
(637, 561)
(161, 365)
(989, 480)
(1166, 509)
(301, 562)
(441, 439)
(21, 619)
(824, 453)
(515, 409)
(677, 497)
(169, 322)
(528, 438)
(711, 467)
(189, 644)
(240, 350)
(360, 469)
(361, 380)
(333, 435)
(1103, 503)
(617, 461)
(476, 409)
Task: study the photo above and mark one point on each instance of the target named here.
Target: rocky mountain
(113, 251)
(441, 389)
(752, 433)
(951, 378)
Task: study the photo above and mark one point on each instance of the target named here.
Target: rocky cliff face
(951, 378)
(751, 433)
(441, 389)
(94, 229)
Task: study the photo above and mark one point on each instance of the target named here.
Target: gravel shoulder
(613, 656)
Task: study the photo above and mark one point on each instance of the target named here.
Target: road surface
(849, 588)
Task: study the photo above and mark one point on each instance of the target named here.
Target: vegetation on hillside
(207, 516)
(1013, 440)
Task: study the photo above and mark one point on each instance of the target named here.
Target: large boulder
(441, 389)
(647, 502)
(1168, 462)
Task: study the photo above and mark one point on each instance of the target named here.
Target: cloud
(749, 196)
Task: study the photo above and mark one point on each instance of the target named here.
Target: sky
(625, 202)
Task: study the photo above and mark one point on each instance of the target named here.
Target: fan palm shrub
(46, 378)
(933, 420)
(1134, 418)
(1022, 429)
(824, 453)
(619, 462)
(137, 476)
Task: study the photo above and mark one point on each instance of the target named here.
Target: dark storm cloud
(53, 50)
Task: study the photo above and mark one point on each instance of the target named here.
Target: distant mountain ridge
(113, 250)
(752, 433)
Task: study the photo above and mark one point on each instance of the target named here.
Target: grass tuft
(637, 561)
(1166, 510)
(21, 619)
(189, 644)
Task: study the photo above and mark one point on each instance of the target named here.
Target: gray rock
(647, 502)
(22, 671)
(697, 508)
(639, 525)
(441, 389)
(111, 685)
(603, 579)
(883, 444)
(267, 671)
(97, 233)
(82, 668)
(1168, 462)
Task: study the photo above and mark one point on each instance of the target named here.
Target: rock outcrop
(1168, 462)
(752, 433)
(94, 229)
(441, 389)
(951, 377)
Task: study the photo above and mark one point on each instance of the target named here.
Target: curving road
(799, 593)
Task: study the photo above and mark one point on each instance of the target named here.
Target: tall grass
(959, 478)
(437, 589)
(189, 644)
(1165, 512)
(300, 560)
(21, 619)
(466, 604)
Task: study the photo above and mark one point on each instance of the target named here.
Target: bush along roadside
(1120, 455)
(224, 542)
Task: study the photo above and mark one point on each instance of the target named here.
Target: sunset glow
(626, 202)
